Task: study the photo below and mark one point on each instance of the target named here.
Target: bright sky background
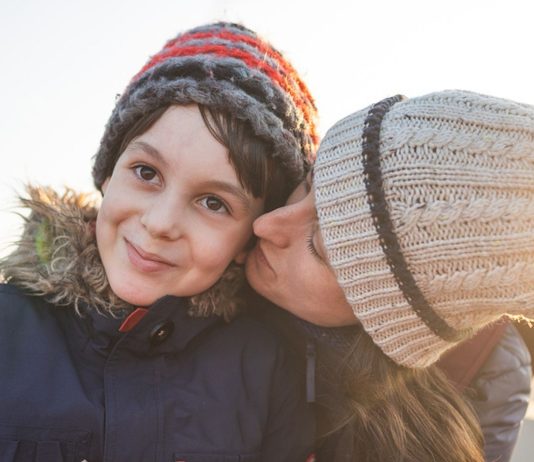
(63, 62)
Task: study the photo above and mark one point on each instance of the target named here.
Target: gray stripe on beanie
(244, 78)
(154, 90)
(258, 54)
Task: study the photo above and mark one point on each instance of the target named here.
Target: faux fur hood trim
(57, 258)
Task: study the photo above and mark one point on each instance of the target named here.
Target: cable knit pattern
(471, 210)
(457, 171)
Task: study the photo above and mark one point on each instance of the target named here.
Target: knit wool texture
(229, 68)
(458, 177)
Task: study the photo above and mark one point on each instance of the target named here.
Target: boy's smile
(174, 213)
(144, 261)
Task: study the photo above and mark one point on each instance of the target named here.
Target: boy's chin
(138, 301)
(142, 297)
(135, 296)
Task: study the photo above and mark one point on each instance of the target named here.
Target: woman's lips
(261, 259)
(145, 261)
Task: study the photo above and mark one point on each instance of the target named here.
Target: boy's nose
(160, 222)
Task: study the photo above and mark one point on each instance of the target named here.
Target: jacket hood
(57, 258)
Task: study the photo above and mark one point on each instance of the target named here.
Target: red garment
(463, 362)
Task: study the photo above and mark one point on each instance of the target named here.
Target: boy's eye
(214, 204)
(145, 173)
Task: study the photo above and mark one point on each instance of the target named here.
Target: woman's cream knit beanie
(426, 208)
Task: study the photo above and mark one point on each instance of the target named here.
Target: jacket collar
(167, 327)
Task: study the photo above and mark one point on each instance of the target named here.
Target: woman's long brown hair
(373, 410)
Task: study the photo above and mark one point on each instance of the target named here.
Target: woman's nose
(276, 226)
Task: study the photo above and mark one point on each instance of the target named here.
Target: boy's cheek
(105, 185)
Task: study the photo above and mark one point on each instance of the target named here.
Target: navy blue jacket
(174, 388)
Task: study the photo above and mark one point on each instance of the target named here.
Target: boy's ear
(105, 185)
(241, 256)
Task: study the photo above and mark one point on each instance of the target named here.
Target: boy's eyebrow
(210, 184)
(231, 189)
(148, 149)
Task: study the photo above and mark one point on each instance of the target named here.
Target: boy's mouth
(145, 261)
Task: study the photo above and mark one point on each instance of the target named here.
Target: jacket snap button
(161, 332)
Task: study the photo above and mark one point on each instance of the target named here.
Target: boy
(140, 363)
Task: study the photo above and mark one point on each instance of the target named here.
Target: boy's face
(174, 214)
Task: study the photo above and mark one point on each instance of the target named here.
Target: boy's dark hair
(258, 172)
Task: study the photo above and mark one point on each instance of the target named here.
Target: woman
(414, 233)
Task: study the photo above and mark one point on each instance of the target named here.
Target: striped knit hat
(426, 208)
(228, 67)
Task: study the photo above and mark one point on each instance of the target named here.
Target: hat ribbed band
(376, 197)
